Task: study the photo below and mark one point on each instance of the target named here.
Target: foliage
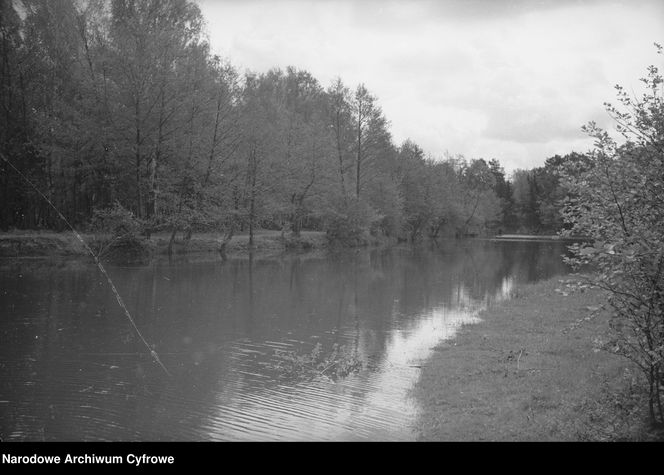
(117, 221)
(617, 414)
(478, 204)
(525, 200)
(337, 363)
(349, 222)
(618, 201)
(123, 229)
(539, 194)
(122, 101)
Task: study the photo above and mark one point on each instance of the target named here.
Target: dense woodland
(119, 109)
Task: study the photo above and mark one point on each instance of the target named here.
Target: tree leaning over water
(618, 201)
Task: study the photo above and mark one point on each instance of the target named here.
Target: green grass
(530, 371)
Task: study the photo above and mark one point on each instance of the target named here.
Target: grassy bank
(531, 371)
(44, 243)
(38, 244)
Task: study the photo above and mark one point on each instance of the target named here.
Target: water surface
(71, 367)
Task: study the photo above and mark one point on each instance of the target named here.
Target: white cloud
(513, 81)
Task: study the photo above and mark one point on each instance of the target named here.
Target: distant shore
(530, 372)
(20, 243)
(537, 237)
(49, 243)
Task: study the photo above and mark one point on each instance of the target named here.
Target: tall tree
(149, 40)
(339, 113)
(478, 203)
(370, 132)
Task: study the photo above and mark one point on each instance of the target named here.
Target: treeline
(118, 109)
(539, 195)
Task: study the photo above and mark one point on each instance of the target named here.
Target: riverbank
(539, 237)
(43, 244)
(530, 371)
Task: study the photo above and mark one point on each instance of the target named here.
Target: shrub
(124, 230)
(350, 223)
(618, 202)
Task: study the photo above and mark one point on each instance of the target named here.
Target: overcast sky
(512, 79)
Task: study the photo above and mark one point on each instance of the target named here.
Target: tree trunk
(226, 240)
(253, 170)
(251, 218)
(153, 163)
(139, 204)
(359, 151)
(172, 240)
(296, 217)
(213, 147)
(341, 158)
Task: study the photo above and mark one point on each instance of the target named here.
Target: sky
(508, 79)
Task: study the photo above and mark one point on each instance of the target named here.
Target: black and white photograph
(329, 221)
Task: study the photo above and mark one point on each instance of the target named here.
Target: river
(72, 368)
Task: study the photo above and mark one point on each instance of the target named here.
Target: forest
(119, 111)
